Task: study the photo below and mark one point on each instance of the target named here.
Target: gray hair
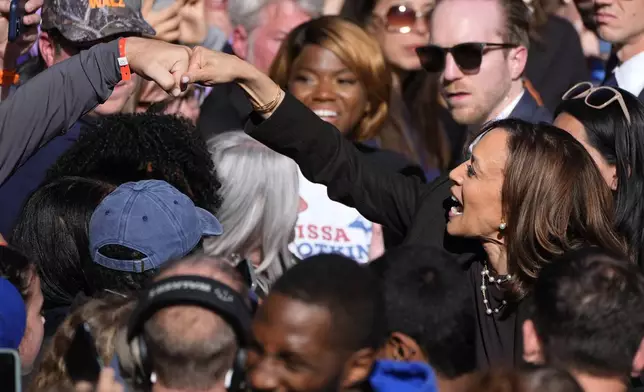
(247, 12)
(260, 194)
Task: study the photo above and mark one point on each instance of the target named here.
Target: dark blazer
(556, 61)
(529, 110)
(404, 204)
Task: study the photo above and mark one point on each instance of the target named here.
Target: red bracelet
(125, 66)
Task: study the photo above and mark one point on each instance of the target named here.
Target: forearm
(53, 101)
(259, 87)
(326, 157)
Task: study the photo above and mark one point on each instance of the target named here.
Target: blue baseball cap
(13, 315)
(151, 217)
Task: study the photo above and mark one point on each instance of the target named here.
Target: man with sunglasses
(480, 50)
(69, 26)
(621, 22)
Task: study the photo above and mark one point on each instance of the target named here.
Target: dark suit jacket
(556, 61)
(529, 110)
(403, 204)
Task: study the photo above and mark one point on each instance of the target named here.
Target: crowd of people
(322, 195)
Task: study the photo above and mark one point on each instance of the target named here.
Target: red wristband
(125, 66)
(9, 77)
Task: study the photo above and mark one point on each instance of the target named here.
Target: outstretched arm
(320, 150)
(55, 99)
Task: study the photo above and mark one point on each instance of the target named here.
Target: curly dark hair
(134, 147)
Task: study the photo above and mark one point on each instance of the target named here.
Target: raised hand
(166, 22)
(193, 27)
(29, 33)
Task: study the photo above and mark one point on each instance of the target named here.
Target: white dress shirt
(505, 113)
(630, 75)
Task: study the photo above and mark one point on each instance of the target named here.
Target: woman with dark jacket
(513, 208)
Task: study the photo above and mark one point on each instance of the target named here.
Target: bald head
(193, 347)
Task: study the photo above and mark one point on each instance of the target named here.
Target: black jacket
(227, 108)
(404, 204)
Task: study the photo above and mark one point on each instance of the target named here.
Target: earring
(502, 226)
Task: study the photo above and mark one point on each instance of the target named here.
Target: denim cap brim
(210, 224)
(133, 266)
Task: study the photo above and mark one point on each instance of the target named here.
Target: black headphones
(190, 290)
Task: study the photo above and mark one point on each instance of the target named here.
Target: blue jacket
(15, 191)
(393, 376)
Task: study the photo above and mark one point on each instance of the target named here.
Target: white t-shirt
(326, 226)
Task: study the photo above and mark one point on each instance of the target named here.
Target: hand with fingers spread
(166, 22)
(159, 61)
(10, 51)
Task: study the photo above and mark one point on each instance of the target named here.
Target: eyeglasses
(468, 56)
(597, 97)
(402, 18)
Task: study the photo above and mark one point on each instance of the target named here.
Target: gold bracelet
(269, 107)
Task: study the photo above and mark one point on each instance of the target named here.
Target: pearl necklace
(485, 278)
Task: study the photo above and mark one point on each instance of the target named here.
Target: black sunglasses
(468, 56)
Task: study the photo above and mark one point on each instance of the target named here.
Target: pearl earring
(502, 226)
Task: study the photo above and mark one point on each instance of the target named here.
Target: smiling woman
(327, 64)
(339, 72)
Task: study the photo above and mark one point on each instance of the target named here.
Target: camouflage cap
(83, 21)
